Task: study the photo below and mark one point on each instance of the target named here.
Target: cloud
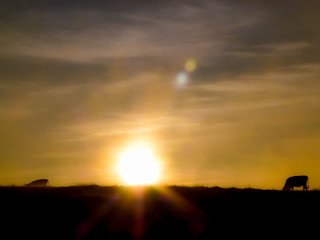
(80, 78)
(90, 33)
(21, 68)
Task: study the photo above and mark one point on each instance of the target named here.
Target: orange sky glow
(223, 93)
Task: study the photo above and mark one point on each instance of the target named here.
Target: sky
(81, 80)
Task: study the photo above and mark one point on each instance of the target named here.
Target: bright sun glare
(137, 165)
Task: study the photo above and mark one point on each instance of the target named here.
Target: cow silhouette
(296, 181)
(38, 183)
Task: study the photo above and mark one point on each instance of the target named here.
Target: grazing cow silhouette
(38, 183)
(296, 181)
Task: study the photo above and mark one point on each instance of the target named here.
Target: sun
(137, 165)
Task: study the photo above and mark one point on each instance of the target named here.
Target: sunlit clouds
(224, 96)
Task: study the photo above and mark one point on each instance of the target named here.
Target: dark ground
(93, 212)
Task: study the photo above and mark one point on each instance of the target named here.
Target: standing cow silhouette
(296, 181)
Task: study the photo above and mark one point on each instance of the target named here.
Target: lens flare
(190, 65)
(182, 78)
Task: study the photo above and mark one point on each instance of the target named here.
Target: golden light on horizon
(137, 165)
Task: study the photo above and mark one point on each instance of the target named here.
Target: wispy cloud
(79, 78)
